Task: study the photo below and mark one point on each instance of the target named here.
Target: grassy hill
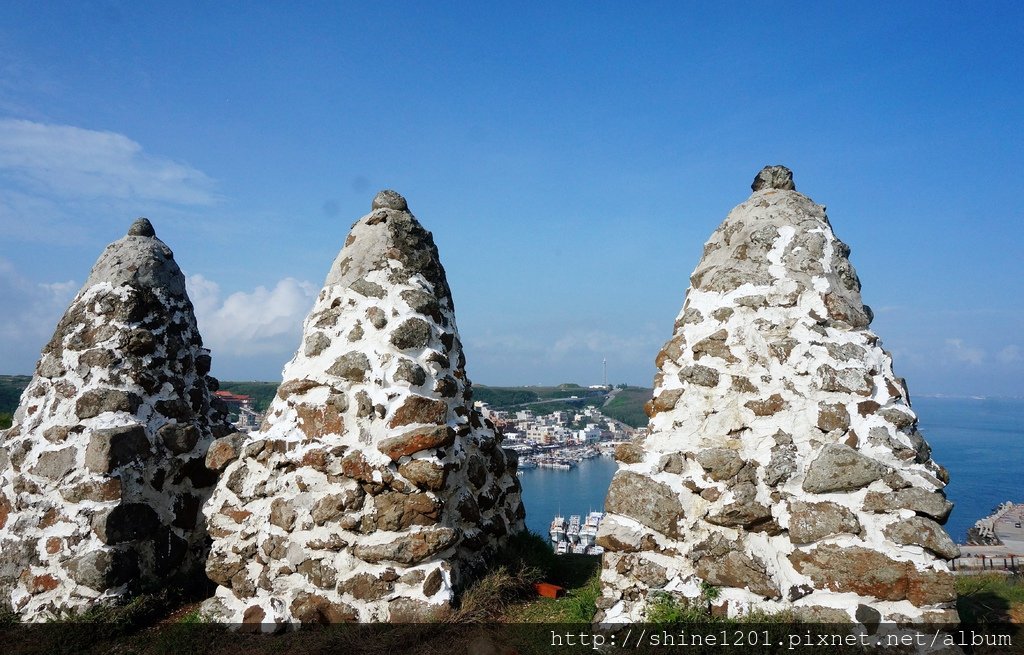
(11, 387)
(628, 406)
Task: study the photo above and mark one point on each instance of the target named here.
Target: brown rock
(700, 375)
(833, 416)
(714, 346)
(629, 453)
(666, 400)
(395, 511)
(316, 421)
(223, 451)
(55, 464)
(424, 473)
(408, 610)
(933, 504)
(644, 500)
(296, 387)
(931, 587)
(734, 569)
(416, 440)
(179, 438)
(282, 514)
(43, 583)
(433, 583)
(420, 409)
(769, 406)
(409, 549)
(312, 608)
(318, 573)
(720, 463)
(845, 380)
(364, 586)
(854, 569)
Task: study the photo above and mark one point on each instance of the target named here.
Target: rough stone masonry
(374, 489)
(783, 464)
(102, 475)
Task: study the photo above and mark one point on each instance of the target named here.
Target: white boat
(588, 533)
(573, 531)
(558, 529)
(562, 548)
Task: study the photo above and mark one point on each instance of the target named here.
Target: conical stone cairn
(374, 490)
(783, 465)
(102, 475)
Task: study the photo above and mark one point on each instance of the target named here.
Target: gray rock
(368, 289)
(141, 228)
(351, 366)
(720, 463)
(736, 569)
(698, 374)
(179, 438)
(125, 522)
(646, 501)
(774, 177)
(410, 548)
(412, 333)
(95, 402)
(923, 532)
(810, 522)
(841, 468)
(921, 501)
(315, 344)
(411, 372)
(388, 199)
(114, 447)
(102, 569)
(55, 464)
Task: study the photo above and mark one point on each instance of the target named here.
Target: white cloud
(252, 324)
(958, 350)
(29, 315)
(72, 162)
(1009, 354)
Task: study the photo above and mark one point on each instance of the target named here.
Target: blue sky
(570, 159)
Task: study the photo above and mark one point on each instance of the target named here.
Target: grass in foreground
(990, 598)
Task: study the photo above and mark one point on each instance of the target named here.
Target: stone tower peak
(774, 177)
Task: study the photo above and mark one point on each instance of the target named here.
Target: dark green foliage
(262, 393)
(499, 397)
(11, 388)
(5, 420)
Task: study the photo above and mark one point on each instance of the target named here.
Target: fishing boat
(572, 533)
(558, 529)
(588, 533)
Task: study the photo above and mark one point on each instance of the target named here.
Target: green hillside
(261, 392)
(11, 387)
(628, 406)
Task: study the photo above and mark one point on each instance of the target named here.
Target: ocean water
(981, 442)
